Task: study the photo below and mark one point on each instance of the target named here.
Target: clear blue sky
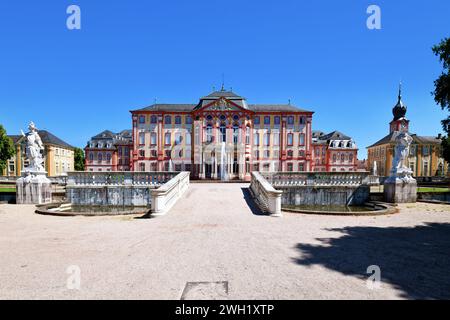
(317, 53)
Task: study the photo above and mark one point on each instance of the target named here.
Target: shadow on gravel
(146, 216)
(251, 203)
(414, 260)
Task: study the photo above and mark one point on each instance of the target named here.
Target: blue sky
(319, 54)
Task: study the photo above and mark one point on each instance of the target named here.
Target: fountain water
(223, 164)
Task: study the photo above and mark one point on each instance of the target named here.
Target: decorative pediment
(222, 104)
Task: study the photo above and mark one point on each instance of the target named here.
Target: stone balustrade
(117, 178)
(294, 179)
(164, 197)
(267, 198)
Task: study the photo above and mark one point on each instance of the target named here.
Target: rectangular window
(153, 153)
(209, 136)
(291, 120)
(266, 154)
(290, 167)
(302, 120)
(177, 138)
(188, 137)
(256, 120)
(153, 138)
(290, 139)
(266, 139)
(168, 120)
(301, 167)
(267, 120)
(153, 119)
(141, 138)
(177, 120)
(142, 153)
(276, 139)
(167, 138)
(188, 120)
(277, 120)
(301, 139)
(141, 119)
(256, 139)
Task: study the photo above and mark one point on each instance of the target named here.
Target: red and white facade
(334, 152)
(109, 151)
(221, 137)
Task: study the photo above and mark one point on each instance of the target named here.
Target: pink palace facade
(222, 136)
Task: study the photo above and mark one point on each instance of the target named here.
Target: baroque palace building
(58, 155)
(224, 137)
(425, 154)
(109, 151)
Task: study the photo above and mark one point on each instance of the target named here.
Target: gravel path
(212, 238)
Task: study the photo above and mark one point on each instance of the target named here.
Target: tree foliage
(6, 149)
(442, 90)
(79, 159)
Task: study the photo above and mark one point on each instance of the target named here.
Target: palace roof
(222, 94)
(390, 138)
(49, 138)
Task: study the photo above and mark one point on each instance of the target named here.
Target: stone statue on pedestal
(33, 187)
(33, 150)
(400, 186)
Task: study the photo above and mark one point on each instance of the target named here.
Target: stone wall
(325, 195)
(109, 195)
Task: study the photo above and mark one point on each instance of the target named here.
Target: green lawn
(426, 189)
(4, 189)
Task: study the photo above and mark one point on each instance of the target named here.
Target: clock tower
(399, 123)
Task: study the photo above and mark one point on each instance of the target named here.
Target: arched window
(168, 120)
(177, 120)
(91, 156)
(100, 157)
(342, 157)
(235, 134)
(223, 133)
(209, 133)
(290, 153)
(153, 119)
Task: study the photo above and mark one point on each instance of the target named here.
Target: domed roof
(399, 110)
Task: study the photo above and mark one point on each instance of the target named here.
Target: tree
(79, 159)
(442, 90)
(6, 149)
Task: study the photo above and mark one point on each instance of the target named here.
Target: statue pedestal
(400, 187)
(33, 188)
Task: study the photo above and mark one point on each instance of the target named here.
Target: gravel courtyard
(214, 238)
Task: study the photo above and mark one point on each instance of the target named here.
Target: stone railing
(117, 178)
(267, 198)
(295, 179)
(164, 197)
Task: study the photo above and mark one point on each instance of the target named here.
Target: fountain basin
(368, 209)
(68, 209)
